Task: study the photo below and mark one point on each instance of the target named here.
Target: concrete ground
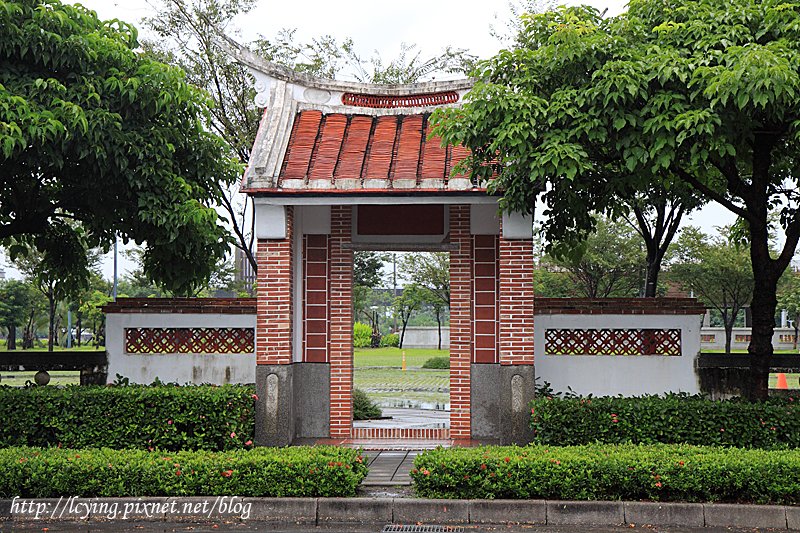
(214, 527)
(408, 418)
(389, 468)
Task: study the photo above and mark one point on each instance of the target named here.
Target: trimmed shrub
(298, 471)
(165, 417)
(363, 407)
(438, 363)
(390, 340)
(609, 472)
(676, 418)
(362, 335)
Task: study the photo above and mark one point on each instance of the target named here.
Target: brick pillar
(274, 299)
(341, 322)
(460, 321)
(274, 371)
(516, 302)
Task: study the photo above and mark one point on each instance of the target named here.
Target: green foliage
(717, 270)
(670, 419)
(437, 363)
(610, 472)
(15, 299)
(390, 340)
(99, 140)
(586, 111)
(297, 471)
(610, 262)
(143, 417)
(362, 335)
(363, 407)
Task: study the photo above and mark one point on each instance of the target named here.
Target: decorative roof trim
(256, 63)
(384, 102)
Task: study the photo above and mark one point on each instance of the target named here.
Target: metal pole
(115, 269)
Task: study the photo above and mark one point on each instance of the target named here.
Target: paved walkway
(407, 418)
(388, 468)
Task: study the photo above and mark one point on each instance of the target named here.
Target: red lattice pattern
(708, 338)
(189, 340)
(413, 100)
(612, 341)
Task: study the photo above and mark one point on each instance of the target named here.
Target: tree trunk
(51, 326)
(651, 274)
(762, 307)
(403, 333)
(11, 343)
(728, 335)
(78, 329)
(796, 328)
(439, 325)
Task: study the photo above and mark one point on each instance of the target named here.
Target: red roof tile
(388, 148)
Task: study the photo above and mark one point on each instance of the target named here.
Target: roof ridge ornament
(321, 91)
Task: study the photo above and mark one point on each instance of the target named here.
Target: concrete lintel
(517, 226)
(388, 199)
(270, 221)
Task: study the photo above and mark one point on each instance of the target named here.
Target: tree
(14, 302)
(608, 263)
(406, 303)
(431, 271)
(789, 299)
(718, 272)
(57, 274)
(588, 108)
(100, 140)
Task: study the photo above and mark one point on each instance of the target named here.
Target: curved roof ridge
(255, 62)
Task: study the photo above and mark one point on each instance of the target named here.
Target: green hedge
(390, 340)
(363, 407)
(437, 363)
(611, 472)
(299, 471)
(159, 417)
(773, 424)
(362, 335)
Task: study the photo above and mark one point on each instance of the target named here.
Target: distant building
(244, 270)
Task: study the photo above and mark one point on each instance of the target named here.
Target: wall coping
(618, 306)
(219, 306)
(542, 306)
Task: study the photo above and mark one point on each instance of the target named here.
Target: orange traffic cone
(781, 383)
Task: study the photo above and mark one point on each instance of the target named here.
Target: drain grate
(422, 529)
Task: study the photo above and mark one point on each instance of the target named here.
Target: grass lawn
(393, 357)
(57, 377)
(83, 348)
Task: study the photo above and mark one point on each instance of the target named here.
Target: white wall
(629, 375)
(426, 337)
(181, 368)
(781, 339)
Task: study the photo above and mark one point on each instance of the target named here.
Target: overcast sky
(380, 26)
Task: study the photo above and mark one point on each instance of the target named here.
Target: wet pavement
(389, 468)
(407, 418)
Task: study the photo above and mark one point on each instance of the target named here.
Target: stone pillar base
(500, 403)
(293, 402)
(274, 407)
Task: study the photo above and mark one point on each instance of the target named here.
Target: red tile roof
(371, 152)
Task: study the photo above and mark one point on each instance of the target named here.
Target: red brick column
(516, 302)
(341, 322)
(460, 321)
(274, 299)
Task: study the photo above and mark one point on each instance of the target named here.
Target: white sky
(374, 25)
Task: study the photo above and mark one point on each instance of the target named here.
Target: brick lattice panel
(315, 299)
(612, 341)
(189, 340)
(485, 290)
